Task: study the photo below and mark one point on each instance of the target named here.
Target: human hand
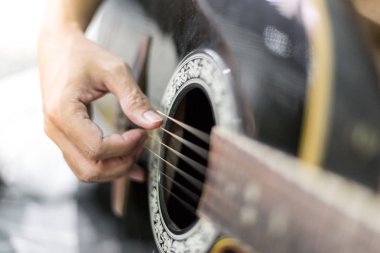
(74, 72)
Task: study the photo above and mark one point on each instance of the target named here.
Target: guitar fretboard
(275, 203)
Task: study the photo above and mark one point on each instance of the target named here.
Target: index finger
(133, 101)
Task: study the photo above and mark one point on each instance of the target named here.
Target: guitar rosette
(206, 71)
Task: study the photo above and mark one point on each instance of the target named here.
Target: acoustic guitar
(271, 138)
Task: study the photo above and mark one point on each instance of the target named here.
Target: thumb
(132, 100)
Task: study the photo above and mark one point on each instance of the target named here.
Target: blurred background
(29, 202)
(19, 25)
(43, 207)
(40, 207)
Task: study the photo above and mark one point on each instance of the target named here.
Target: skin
(74, 72)
(369, 9)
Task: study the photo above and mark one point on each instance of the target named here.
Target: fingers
(119, 145)
(88, 137)
(136, 173)
(117, 153)
(132, 100)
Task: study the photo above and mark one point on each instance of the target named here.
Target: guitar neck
(274, 203)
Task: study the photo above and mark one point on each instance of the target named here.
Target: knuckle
(129, 161)
(135, 99)
(89, 177)
(50, 132)
(117, 67)
(94, 173)
(93, 152)
(51, 112)
(85, 171)
(81, 171)
(91, 174)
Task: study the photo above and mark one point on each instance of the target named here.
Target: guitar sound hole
(180, 195)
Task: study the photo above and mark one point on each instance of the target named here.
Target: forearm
(62, 15)
(63, 26)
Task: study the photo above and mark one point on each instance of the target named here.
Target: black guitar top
(268, 47)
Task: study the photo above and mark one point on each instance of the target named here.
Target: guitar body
(275, 71)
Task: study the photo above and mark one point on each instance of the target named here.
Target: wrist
(60, 31)
(58, 36)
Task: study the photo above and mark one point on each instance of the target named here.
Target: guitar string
(193, 210)
(183, 202)
(197, 166)
(194, 164)
(196, 132)
(219, 195)
(201, 169)
(191, 194)
(190, 161)
(206, 138)
(183, 188)
(197, 149)
(195, 182)
(195, 197)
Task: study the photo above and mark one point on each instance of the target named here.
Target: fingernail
(152, 116)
